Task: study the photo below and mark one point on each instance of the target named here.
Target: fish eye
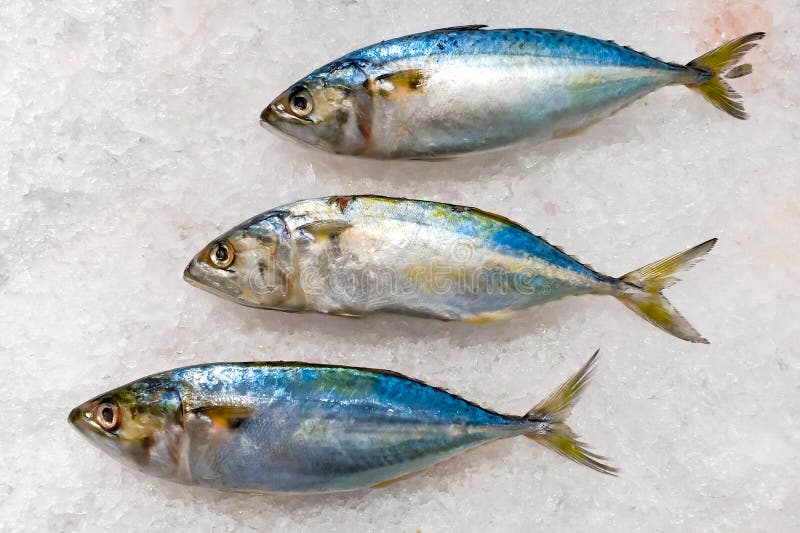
(108, 416)
(222, 254)
(301, 104)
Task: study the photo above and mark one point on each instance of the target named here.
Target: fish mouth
(190, 275)
(196, 275)
(74, 416)
(267, 116)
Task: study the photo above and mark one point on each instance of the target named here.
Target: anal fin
(567, 133)
(393, 480)
(489, 317)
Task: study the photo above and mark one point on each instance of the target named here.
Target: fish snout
(192, 274)
(75, 416)
(217, 281)
(269, 116)
(80, 418)
(189, 273)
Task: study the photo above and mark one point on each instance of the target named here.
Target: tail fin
(553, 412)
(709, 69)
(641, 291)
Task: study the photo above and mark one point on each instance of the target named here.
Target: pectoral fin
(347, 314)
(226, 416)
(325, 228)
(399, 84)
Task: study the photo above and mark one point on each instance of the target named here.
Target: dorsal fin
(560, 249)
(467, 27)
(488, 214)
(635, 51)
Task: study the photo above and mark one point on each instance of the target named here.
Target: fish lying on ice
(298, 427)
(456, 90)
(354, 255)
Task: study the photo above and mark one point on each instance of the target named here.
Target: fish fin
(552, 413)
(492, 316)
(710, 68)
(226, 416)
(641, 291)
(340, 202)
(178, 449)
(466, 27)
(345, 314)
(739, 71)
(392, 481)
(437, 159)
(574, 132)
(325, 228)
(399, 84)
(635, 51)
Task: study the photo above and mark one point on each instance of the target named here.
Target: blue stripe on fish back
(522, 243)
(511, 238)
(515, 41)
(497, 232)
(405, 396)
(358, 391)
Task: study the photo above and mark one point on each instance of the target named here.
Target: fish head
(251, 265)
(139, 424)
(328, 109)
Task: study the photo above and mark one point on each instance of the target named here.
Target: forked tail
(709, 69)
(550, 420)
(640, 290)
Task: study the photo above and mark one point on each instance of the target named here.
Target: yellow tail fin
(641, 290)
(550, 417)
(709, 69)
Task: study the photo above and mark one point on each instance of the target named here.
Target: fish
(299, 427)
(357, 255)
(451, 91)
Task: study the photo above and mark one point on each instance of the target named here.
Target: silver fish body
(355, 255)
(457, 90)
(297, 427)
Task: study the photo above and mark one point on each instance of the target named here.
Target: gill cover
(334, 112)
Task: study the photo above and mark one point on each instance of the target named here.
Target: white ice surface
(130, 138)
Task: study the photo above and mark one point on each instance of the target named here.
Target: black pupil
(221, 254)
(300, 103)
(108, 414)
